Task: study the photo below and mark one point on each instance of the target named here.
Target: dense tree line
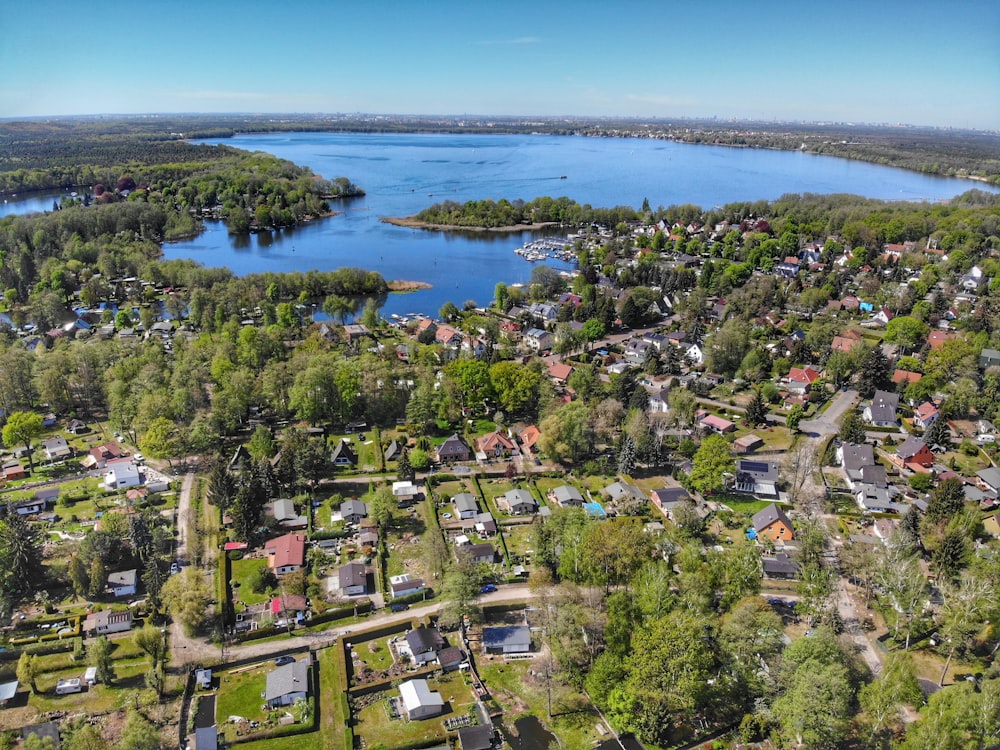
(490, 214)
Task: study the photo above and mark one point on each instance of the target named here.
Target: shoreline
(413, 223)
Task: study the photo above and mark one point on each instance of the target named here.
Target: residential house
(343, 455)
(937, 339)
(772, 523)
(353, 578)
(14, 471)
(56, 447)
(286, 554)
(122, 473)
(882, 317)
(560, 372)
(98, 456)
(480, 737)
(122, 583)
(635, 351)
(106, 621)
(913, 452)
(517, 501)
(992, 525)
(355, 332)
(974, 280)
(779, 566)
(989, 358)
(405, 492)
(507, 639)
(450, 658)
(905, 376)
(448, 336)
(695, 355)
(393, 451)
(352, 511)
(289, 605)
(529, 437)
(873, 498)
(617, 491)
(465, 505)
(284, 513)
(667, 498)
(405, 584)
(990, 479)
(881, 412)
(424, 643)
(659, 402)
(756, 477)
(453, 449)
(566, 496)
(476, 553)
(801, 379)
(495, 445)
(924, 415)
(843, 344)
(537, 340)
(717, 424)
(419, 701)
(287, 684)
(747, 443)
(854, 458)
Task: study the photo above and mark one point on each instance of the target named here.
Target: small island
(412, 222)
(403, 287)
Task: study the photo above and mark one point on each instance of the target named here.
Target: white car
(174, 568)
(138, 458)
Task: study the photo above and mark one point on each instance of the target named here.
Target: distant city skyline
(916, 62)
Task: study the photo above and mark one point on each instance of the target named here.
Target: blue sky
(906, 61)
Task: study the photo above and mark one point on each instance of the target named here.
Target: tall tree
(22, 429)
(27, 670)
(874, 373)
(711, 462)
(99, 656)
(883, 698)
(20, 554)
(756, 411)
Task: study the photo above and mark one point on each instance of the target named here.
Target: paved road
(189, 651)
(826, 424)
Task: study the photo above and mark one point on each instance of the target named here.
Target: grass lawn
(740, 505)
(375, 726)
(519, 540)
(239, 694)
(574, 720)
(380, 658)
(242, 570)
(404, 554)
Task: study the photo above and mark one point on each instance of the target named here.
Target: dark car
(399, 607)
(489, 588)
(282, 660)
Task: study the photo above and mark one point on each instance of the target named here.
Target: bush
(235, 554)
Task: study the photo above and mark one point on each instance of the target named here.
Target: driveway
(826, 424)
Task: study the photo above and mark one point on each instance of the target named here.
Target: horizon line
(628, 118)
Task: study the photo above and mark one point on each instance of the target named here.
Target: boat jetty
(559, 248)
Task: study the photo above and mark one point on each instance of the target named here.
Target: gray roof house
(618, 490)
(424, 643)
(476, 553)
(343, 454)
(287, 684)
(453, 449)
(507, 639)
(881, 412)
(517, 502)
(990, 477)
(353, 510)
(989, 358)
(873, 498)
(465, 505)
(353, 578)
(756, 477)
(854, 458)
(566, 496)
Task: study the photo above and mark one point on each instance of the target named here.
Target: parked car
(174, 568)
(399, 607)
(282, 660)
(489, 588)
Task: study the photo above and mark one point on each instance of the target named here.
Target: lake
(404, 173)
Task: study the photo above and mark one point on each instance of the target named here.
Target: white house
(122, 583)
(419, 701)
(106, 621)
(287, 684)
(695, 355)
(122, 473)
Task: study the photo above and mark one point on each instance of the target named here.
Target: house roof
(567, 494)
(290, 678)
(717, 423)
(353, 508)
(619, 489)
(424, 639)
(417, 694)
(506, 636)
(767, 516)
(8, 690)
(451, 655)
(289, 549)
(884, 406)
(670, 495)
(559, 371)
(122, 578)
(476, 738)
(518, 497)
(900, 375)
(990, 476)
(748, 441)
(475, 551)
(910, 447)
(490, 441)
(780, 564)
(343, 450)
(803, 375)
(926, 410)
(290, 602)
(453, 446)
(465, 502)
(857, 456)
(352, 574)
(529, 436)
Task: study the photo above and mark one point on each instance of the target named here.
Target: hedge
(40, 649)
(339, 614)
(332, 534)
(416, 596)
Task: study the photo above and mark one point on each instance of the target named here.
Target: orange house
(772, 523)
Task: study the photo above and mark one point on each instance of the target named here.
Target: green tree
(261, 444)
(566, 433)
(99, 657)
(152, 642)
(161, 439)
(138, 733)
(22, 429)
(874, 373)
(20, 554)
(98, 579)
(794, 417)
(460, 591)
(27, 671)
(711, 463)
(186, 597)
(883, 698)
(405, 468)
(908, 332)
(852, 429)
(756, 411)
(815, 710)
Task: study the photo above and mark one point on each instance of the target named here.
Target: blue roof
(7, 691)
(594, 509)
